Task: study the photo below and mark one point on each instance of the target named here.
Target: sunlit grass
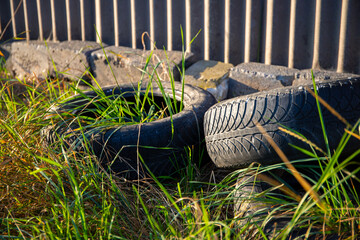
(50, 192)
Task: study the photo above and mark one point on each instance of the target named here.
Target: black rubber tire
(233, 140)
(118, 145)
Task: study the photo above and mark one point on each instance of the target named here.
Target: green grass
(52, 193)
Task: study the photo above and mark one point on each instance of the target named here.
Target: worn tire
(118, 145)
(233, 140)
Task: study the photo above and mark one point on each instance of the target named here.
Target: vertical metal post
(247, 49)
(152, 24)
(53, 21)
(227, 32)
(292, 34)
(188, 25)
(82, 20)
(26, 21)
(169, 25)
(98, 20)
(206, 29)
(13, 23)
(269, 30)
(342, 37)
(41, 34)
(133, 24)
(68, 19)
(116, 23)
(315, 63)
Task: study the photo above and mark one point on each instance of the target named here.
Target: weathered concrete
(127, 64)
(72, 59)
(35, 58)
(304, 77)
(247, 78)
(212, 76)
(27, 60)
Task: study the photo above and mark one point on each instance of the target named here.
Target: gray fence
(294, 33)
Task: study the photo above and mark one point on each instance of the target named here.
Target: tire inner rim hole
(126, 106)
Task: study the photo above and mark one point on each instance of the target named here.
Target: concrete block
(35, 58)
(71, 58)
(210, 75)
(127, 64)
(247, 78)
(304, 77)
(27, 60)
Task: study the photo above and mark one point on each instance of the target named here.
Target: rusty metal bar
(53, 20)
(292, 34)
(188, 25)
(68, 19)
(316, 49)
(41, 32)
(342, 37)
(152, 24)
(26, 21)
(247, 49)
(116, 23)
(98, 20)
(227, 32)
(269, 30)
(169, 25)
(206, 29)
(13, 18)
(133, 24)
(82, 20)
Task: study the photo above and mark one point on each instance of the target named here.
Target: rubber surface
(233, 140)
(118, 145)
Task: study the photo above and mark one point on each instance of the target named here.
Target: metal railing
(294, 33)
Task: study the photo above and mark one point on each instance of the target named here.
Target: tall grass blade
(321, 116)
(307, 187)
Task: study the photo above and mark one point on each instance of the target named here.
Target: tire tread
(233, 139)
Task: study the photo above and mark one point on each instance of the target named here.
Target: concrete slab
(71, 58)
(304, 77)
(210, 75)
(127, 64)
(27, 60)
(35, 58)
(247, 78)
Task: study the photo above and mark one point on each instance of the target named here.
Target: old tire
(233, 140)
(160, 143)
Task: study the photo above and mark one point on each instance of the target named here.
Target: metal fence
(294, 33)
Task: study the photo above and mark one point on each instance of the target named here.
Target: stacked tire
(233, 139)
